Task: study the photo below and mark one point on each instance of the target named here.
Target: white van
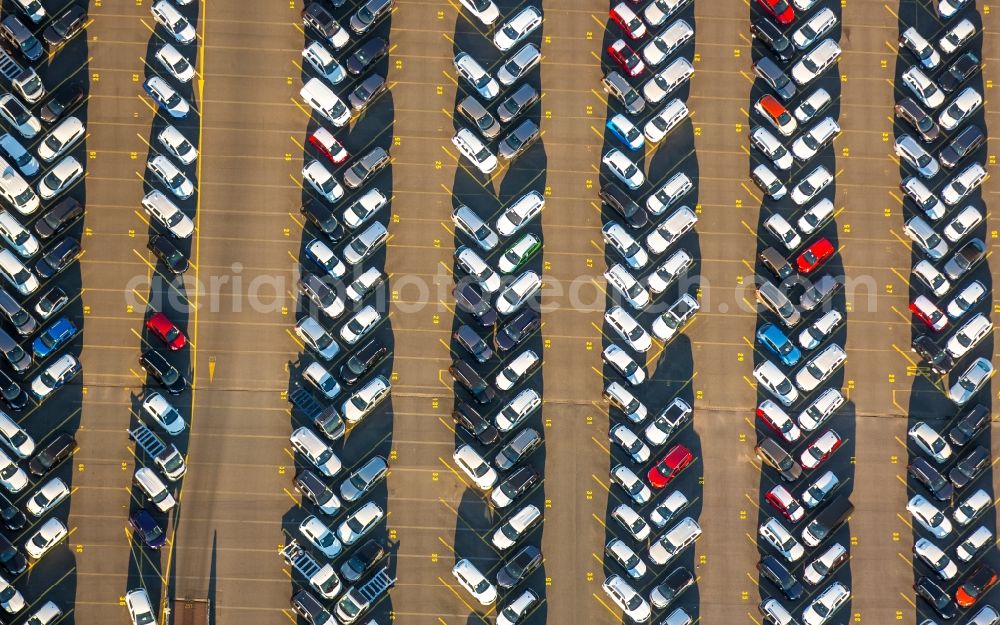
(324, 101)
(155, 489)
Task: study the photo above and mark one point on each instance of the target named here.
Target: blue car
(54, 336)
(779, 344)
(626, 131)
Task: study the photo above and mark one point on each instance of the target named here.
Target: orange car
(975, 585)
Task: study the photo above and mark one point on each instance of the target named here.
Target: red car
(664, 471)
(815, 255)
(164, 328)
(327, 145)
(925, 310)
(780, 10)
(626, 18)
(785, 503)
(627, 58)
(975, 585)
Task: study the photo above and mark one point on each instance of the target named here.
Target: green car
(519, 253)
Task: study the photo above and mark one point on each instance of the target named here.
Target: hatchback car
(165, 96)
(923, 87)
(517, 28)
(480, 80)
(471, 579)
(60, 178)
(160, 369)
(366, 54)
(519, 64)
(971, 381)
(771, 378)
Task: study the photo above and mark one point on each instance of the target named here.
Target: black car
(675, 583)
(970, 467)
(58, 449)
(772, 569)
(519, 482)
(776, 263)
(519, 566)
(469, 299)
(58, 218)
(12, 394)
(963, 259)
(962, 145)
(156, 365)
(466, 376)
(64, 99)
(933, 355)
(322, 217)
(61, 256)
(616, 198)
(362, 361)
(362, 560)
(766, 31)
(168, 254)
(10, 517)
(145, 527)
(970, 424)
(310, 608)
(923, 123)
(479, 426)
(473, 343)
(65, 26)
(523, 325)
(366, 91)
(330, 423)
(367, 53)
(931, 478)
(941, 601)
(12, 560)
(958, 72)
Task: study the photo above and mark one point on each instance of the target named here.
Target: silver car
(363, 479)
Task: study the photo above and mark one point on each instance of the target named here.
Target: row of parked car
(496, 343)
(339, 547)
(41, 135)
(940, 142)
(797, 350)
(648, 233)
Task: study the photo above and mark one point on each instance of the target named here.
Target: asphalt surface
(237, 496)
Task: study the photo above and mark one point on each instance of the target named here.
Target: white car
(175, 63)
(12, 148)
(163, 413)
(632, 521)
(360, 324)
(517, 28)
(177, 145)
(17, 236)
(948, 8)
(619, 397)
(820, 367)
(957, 36)
(11, 600)
(520, 213)
(815, 216)
(163, 210)
(926, 201)
(625, 284)
(473, 264)
(60, 178)
(140, 608)
(623, 168)
(627, 599)
(518, 409)
(61, 138)
(323, 256)
(821, 566)
(517, 293)
(515, 527)
(929, 517)
(925, 238)
(815, 139)
(364, 208)
(167, 97)
(466, 220)
(317, 375)
(929, 441)
(669, 271)
(47, 497)
(768, 182)
(515, 369)
(484, 10)
(923, 87)
(920, 47)
(26, 124)
(15, 438)
(316, 451)
(478, 469)
(812, 336)
(961, 108)
(666, 120)
(626, 557)
(783, 231)
(965, 299)
(933, 278)
(974, 543)
(776, 535)
(475, 150)
(618, 238)
(363, 401)
(471, 579)
(322, 180)
(619, 359)
(969, 335)
(968, 510)
(935, 558)
(769, 145)
(666, 43)
(630, 442)
(826, 604)
(171, 176)
(809, 187)
(632, 484)
(628, 329)
(963, 184)
(13, 477)
(962, 224)
(812, 105)
(45, 538)
(971, 381)
(815, 62)
(668, 509)
(481, 80)
(320, 536)
(776, 382)
(814, 28)
(674, 318)
(909, 149)
(357, 525)
(821, 409)
(658, 12)
(671, 229)
(168, 16)
(669, 193)
(324, 63)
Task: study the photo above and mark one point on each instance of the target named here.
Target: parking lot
(237, 504)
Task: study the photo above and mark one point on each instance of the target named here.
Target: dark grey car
(517, 449)
(366, 54)
(518, 140)
(484, 121)
(615, 84)
(19, 359)
(365, 167)
(773, 76)
(516, 103)
(17, 315)
(363, 95)
(820, 291)
(964, 144)
(58, 218)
